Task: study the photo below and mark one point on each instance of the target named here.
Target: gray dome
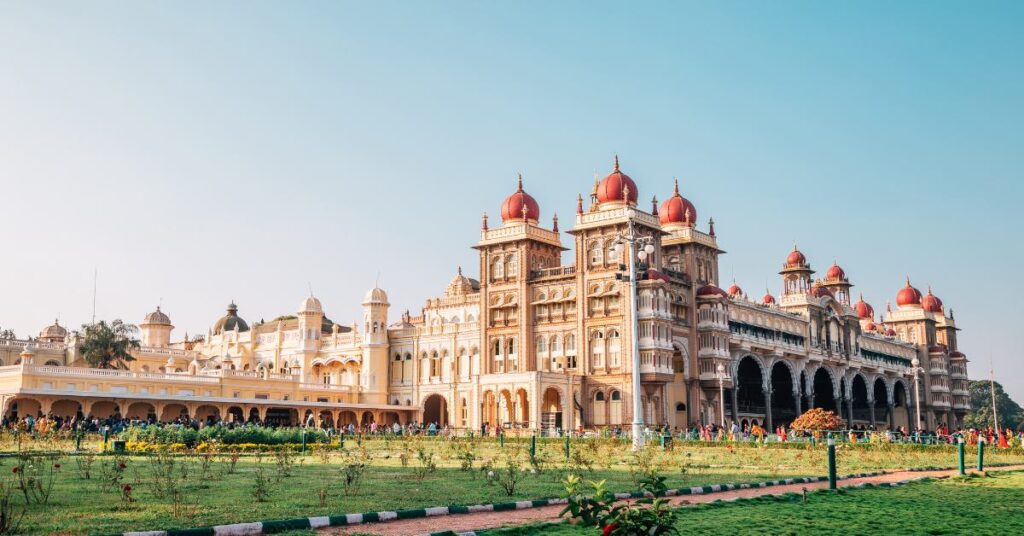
(157, 317)
(230, 321)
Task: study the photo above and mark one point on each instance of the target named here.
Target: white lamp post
(721, 391)
(916, 363)
(632, 240)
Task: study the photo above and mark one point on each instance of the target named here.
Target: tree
(108, 346)
(1010, 414)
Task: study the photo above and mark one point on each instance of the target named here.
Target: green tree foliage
(108, 346)
(1010, 414)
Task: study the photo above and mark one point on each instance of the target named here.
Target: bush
(817, 420)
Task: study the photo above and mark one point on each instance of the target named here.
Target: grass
(81, 506)
(970, 505)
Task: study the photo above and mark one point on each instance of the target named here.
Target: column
(890, 416)
(735, 403)
(768, 410)
(849, 411)
(871, 412)
(796, 398)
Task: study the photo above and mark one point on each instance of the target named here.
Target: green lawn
(81, 506)
(972, 505)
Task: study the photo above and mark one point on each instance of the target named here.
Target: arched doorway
(235, 414)
(859, 400)
(142, 411)
(902, 416)
(489, 407)
(749, 388)
(551, 410)
(67, 409)
(881, 403)
(522, 408)
(824, 390)
(783, 401)
(435, 410)
(173, 412)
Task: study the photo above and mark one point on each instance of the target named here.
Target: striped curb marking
(270, 527)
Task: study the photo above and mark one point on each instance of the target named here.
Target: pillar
(735, 403)
(871, 412)
(890, 416)
(768, 409)
(797, 399)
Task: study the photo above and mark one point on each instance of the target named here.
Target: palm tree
(108, 346)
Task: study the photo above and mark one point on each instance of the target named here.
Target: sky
(194, 153)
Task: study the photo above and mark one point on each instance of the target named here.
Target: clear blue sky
(198, 153)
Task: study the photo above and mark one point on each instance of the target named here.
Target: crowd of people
(713, 432)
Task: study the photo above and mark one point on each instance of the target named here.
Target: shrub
(817, 420)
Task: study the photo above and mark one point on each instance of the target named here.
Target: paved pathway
(489, 520)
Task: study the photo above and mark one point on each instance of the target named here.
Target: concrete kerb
(280, 525)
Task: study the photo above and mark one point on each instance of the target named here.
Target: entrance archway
(881, 402)
(824, 390)
(783, 401)
(141, 411)
(551, 410)
(859, 399)
(435, 410)
(902, 416)
(749, 390)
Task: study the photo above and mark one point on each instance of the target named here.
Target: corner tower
(374, 371)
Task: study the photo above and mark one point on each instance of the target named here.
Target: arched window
(513, 265)
(497, 347)
(497, 269)
(556, 346)
(596, 253)
(541, 345)
(511, 346)
(616, 396)
(570, 343)
(614, 348)
(613, 256)
(599, 397)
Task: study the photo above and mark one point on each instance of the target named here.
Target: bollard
(960, 454)
(106, 433)
(501, 439)
(341, 441)
(78, 442)
(303, 434)
(566, 446)
(981, 455)
(831, 463)
(533, 445)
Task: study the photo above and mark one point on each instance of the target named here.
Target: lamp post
(721, 392)
(916, 363)
(646, 244)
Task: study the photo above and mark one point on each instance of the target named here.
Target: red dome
(870, 326)
(890, 332)
(835, 272)
(610, 188)
(735, 290)
(908, 295)
(863, 308)
(768, 299)
(711, 290)
(512, 208)
(677, 209)
(931, 302)
(795, 259)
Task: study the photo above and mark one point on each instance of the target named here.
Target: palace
(538, 344)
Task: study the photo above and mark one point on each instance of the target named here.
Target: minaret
(311, 316)
(374, 372)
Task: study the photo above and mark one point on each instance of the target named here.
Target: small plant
(509, 476)
(126, 496)
(10, 514)
(324, 452)
(35, 476)
(284, 459)
(84, 464)
(354, 465)
(466, 457)
(405, 453)
(426, 463)
(261, 483)
(321, 495)
(650, 515)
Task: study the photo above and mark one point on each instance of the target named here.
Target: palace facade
(539, 344)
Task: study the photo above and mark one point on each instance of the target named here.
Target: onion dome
(677, 210)
(890, 332)
(611, 187)
(931, 302)
(157, 318)
(230, 321)
(796, 259)
(376, 295)
(711, 290)
(735, 290)
(520, 206)
(870, 326)
(54, 333)
(835, 273)
(908, 296)
(311, 305)
(768, 299)
(863, 308)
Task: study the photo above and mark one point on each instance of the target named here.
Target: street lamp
(916, 363)
(721, 391)
(646, 248)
